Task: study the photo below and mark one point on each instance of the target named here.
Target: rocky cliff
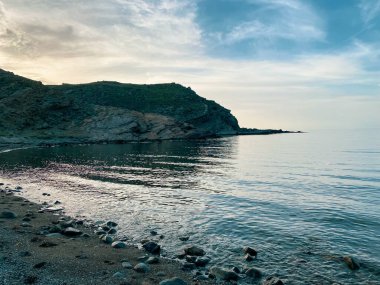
(105, 111)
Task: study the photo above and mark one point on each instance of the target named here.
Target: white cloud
(159, 41)
(279, 19)
(370, 9)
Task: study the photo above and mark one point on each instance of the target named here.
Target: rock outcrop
(107, 112)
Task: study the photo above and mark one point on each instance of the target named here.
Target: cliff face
(106, 111)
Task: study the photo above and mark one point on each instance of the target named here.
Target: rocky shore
(40, 245)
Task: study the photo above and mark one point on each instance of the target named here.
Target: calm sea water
(302, 200)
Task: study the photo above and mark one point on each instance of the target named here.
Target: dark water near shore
(302, 200)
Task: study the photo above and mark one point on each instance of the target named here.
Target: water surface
(302, 200)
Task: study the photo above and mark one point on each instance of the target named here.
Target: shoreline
(41, 245)
(46, 247)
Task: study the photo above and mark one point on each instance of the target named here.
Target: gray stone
(152, 247)
(153, 260)
(8, 215)
(153, 233)
(224, 274)
(173, 281)
(71, 232)
(141, 268)
(194, 250)
(26, 225)
(107, 239)
(273, 281)
(185, 238)
(55, 235)
(119, 244)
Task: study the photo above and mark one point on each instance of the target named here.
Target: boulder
(153, 260)
(202, 261)
(119, 244)
(253, 273)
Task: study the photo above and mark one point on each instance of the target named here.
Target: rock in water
(250, 251)
(119, 244)
(224, 274)
(173, 281)
(202, 261)
(8, 215)
(141, 268)
(253, 273)
(152, 247)
(351, 262)
(71, 232)
(194, 251)
(273, 281)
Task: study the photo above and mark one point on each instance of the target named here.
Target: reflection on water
(301, 200)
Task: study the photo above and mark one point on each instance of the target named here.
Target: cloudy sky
(311, 64)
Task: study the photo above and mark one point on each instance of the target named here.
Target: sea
(303, 201)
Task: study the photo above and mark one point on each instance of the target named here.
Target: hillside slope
(106, 111)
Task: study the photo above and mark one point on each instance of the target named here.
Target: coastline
(33, 253)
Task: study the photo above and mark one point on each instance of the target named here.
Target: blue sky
(275, 63)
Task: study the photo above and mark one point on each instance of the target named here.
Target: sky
(290, 64)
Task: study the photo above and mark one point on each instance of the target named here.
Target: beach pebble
(351, 262)
(112, 231)
(273, 281)
(202, 261)
(250, 251)
(253, 272)
(107, 239)
(71, 232)
(111, 224)
(224, 274)
(141, 268)
(26, 225)
(152, 247)
(153, 260)
(119, 244)
(8, 215)
(173, 281)
(126, 265)
(26, 219)
(160, 274)
(194, 250)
